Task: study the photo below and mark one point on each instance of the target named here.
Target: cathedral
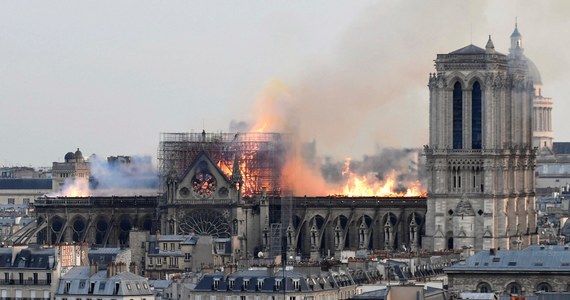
(487, 119)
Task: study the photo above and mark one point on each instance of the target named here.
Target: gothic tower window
(457, 116)
(476, 117)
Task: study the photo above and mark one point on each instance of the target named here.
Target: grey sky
(109, 76)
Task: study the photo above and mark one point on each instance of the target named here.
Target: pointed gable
(203, 179)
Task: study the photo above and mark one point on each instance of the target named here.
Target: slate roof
(531, 259)
(561, 147)
(28, 258)
(25, 184)
(104, 256)
(122, 284)
(470, 49)
(237, 281)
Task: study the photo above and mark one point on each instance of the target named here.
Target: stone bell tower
(480, 160)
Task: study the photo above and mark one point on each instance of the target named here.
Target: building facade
(272, 285)
(532, 270)
(87, 282)
(28, 273)
(75, 167)
(480, 158)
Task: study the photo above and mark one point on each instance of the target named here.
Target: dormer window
(296, 284)
(259, 284)
(232, 283)
(277, 284)
(245, 284)
(216, 283)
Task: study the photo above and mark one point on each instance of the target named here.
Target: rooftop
(531, 259)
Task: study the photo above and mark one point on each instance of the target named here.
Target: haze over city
(109, 77)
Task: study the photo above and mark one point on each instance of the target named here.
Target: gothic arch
(56, 227)
(102, 228)
(474, 77)
(78, 227)
(456, 77)
(476, 114)
(145, 222)
(125, 226)
(457, 115)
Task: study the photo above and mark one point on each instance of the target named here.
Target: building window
(26, 201)
(187, 256)
(245, 284)
(259, 284)
(476, 133)
(164, 246)
(216, 283)
(544, 287)
(277, 284)
(457, 116)
(514, 288)
(484, 287)
(232, 283)
(296, 284)
(11, 200)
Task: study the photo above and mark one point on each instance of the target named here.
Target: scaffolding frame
(261, 156)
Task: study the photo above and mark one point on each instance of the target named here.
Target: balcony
(25, 282)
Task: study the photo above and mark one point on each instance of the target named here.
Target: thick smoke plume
(369, 93)
(116, 176)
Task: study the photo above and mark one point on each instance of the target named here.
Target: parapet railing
(135, 201)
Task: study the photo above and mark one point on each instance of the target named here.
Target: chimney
(111, 270)
(93, 269)
(133, 268)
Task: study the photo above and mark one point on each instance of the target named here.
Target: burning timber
(260, 156)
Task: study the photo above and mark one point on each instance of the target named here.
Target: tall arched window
(476, 135)
(457, 116)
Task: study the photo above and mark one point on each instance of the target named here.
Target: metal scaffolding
(260, 156)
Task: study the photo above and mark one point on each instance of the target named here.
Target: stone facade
(529, 271)
(480, 160)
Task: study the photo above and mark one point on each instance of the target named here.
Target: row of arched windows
(514, 288)
(476, 116)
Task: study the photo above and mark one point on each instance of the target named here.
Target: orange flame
(74, 188)
(370, 185)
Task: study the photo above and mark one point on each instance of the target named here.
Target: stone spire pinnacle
(490, 48)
